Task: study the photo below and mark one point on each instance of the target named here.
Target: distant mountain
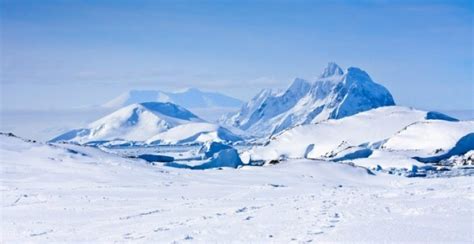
(334, 95)
(190, 98)
(194, 133)
(151, 122)
(136, 122)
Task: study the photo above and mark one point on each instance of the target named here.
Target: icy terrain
(384, 137)
(334, 95)
(60, 192)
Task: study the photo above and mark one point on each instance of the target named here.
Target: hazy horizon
(61, 54)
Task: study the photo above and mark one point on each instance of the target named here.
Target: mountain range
(335, 94)
(189, 98)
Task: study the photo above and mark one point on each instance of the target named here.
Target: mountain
(335, 94)
(397, 133)
(190, 98)
(135, 122)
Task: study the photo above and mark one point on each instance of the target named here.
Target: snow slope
(194, 133)
(190, 98)
(136, 122)
(334, 95)
(429, 137)
(69, 193)
(332, 136)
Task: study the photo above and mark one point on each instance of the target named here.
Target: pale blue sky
(58, 54)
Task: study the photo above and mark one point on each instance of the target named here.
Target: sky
(65, 54)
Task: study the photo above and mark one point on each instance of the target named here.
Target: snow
(212, 147)
(429, 137)
(194, 133)
(321, 161)
(222, 158)
(334, 95)
(332, 136)
(71, 193)
(387, 160)
(136, 122)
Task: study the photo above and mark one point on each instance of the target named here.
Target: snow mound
(367, 129)
(464, 145)
(335, 94)
(136, 122)
(212, 147)
(223, 158)
(192, 133)
(430, 137)
(384, 159)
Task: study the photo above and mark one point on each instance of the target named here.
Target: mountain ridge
(189, 98)
(333, 95)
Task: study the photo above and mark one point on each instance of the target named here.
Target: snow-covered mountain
(153, 122)
(190, 98)
(334, 95)
(136, 122)
(415, 132)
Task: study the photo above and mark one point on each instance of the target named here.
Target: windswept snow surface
(69, 193)
(430, 137)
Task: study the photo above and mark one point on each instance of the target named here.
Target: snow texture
(71, 193)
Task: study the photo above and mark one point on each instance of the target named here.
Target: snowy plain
(70, 193)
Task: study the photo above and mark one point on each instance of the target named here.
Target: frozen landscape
(64, 192)
(236, 121)
(334, 160)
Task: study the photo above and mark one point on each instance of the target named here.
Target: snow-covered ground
(62, 192)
